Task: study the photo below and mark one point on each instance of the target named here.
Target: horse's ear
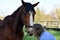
(22, 2)
(35, 4)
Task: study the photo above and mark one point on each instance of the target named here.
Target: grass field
(55, 33)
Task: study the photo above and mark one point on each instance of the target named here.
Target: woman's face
(37, 32)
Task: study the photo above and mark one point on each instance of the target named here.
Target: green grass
(56, 34)
(29, 38)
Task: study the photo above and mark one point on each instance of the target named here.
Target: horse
(11, 27)
(0, 20)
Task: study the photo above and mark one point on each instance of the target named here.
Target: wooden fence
(49, 24)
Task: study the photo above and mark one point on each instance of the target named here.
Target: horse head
(28, 15)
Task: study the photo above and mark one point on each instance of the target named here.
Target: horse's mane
(0, 21)
(13, 16)
(19, 9)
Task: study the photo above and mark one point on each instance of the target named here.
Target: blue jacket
(46, 36)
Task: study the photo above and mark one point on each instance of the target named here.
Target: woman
(41, 33)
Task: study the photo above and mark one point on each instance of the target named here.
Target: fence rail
(49, 24)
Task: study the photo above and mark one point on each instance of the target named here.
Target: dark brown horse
(11, 28)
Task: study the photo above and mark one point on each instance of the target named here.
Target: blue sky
(7, 7)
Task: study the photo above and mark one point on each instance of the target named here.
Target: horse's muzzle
(30, 31)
